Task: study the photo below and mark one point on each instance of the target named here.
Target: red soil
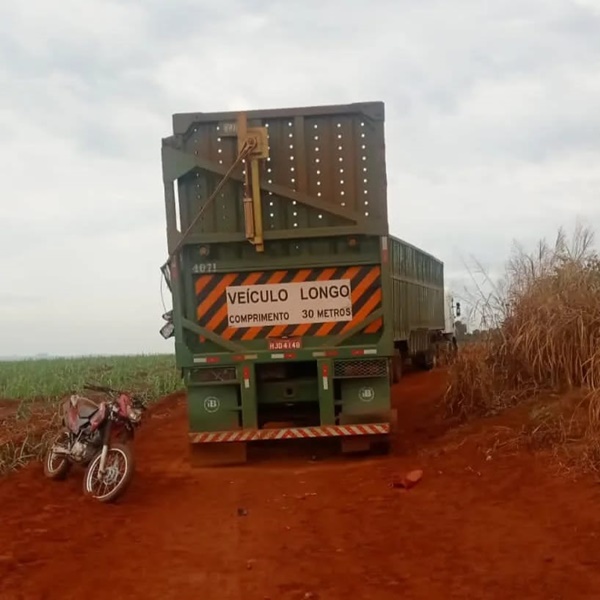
(8, 408)
(506, 527)
(34, 420)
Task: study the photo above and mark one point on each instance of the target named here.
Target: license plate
(288, 344)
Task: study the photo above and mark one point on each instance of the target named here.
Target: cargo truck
(294, 310)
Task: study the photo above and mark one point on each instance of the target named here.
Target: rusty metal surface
(326, 170)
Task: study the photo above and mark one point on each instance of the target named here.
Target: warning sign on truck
(289, 303)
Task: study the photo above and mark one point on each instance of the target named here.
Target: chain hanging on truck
(257, 140)
(253, 145)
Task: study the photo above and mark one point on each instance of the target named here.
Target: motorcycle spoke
(113, 474)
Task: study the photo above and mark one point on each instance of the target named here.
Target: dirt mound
(293, 528)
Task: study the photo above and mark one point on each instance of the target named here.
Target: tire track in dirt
(333, 528)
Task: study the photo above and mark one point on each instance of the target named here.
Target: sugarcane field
(299, 304)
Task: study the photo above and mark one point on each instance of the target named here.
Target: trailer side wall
(417, 295)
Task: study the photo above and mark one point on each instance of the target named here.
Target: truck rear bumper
(251, 435)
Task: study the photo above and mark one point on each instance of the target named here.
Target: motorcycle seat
(86, 408)
(86, 412)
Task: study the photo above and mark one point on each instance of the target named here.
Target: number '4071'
(204, 267)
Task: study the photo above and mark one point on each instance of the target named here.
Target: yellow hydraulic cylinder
(258, 138)
(257, 204)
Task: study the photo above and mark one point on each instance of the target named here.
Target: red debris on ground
(329, 529)
(409, 480)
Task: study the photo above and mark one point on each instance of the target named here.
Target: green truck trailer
(293, 307)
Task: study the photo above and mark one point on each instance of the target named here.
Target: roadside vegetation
(31, 390)
(53, 378)
(543, 343)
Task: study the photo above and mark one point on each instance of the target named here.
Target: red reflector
(289, 355)
(331, 353)
(325, 370)
(238, 357)
(246, 373)
(358, 352)
(213, 359)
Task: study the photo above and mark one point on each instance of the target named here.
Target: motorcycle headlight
(134, 415)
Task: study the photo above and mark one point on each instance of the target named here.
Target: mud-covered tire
(125, 453)
(56, 468)
(425, 361)
(430, 360)
(396, 368)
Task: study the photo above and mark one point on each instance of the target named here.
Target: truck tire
(430, 360)
(395, 368)
(425, 360)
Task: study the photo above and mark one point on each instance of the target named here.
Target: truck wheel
(396, 368)
(430, 360)
(425, 361)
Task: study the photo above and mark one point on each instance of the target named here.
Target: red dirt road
(331, 529)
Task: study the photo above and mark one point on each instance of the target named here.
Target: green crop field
(152, 375)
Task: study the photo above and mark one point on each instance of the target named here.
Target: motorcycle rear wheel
(55, 466)
(115, 480)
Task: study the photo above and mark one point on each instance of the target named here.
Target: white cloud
(492, 134)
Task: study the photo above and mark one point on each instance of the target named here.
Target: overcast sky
(493, 133)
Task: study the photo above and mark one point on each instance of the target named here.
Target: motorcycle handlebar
(98, 388)
(107, 390)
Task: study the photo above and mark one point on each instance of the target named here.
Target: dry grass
(478, 384)
(545, 322)
(26, 434)
(32, 445)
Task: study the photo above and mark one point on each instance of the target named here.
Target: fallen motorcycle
(95, 436)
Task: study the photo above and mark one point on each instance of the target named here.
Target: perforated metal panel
(326, 169)
(374, 367)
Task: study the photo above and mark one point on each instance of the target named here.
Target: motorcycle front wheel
(55, 465)
(118, 472)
